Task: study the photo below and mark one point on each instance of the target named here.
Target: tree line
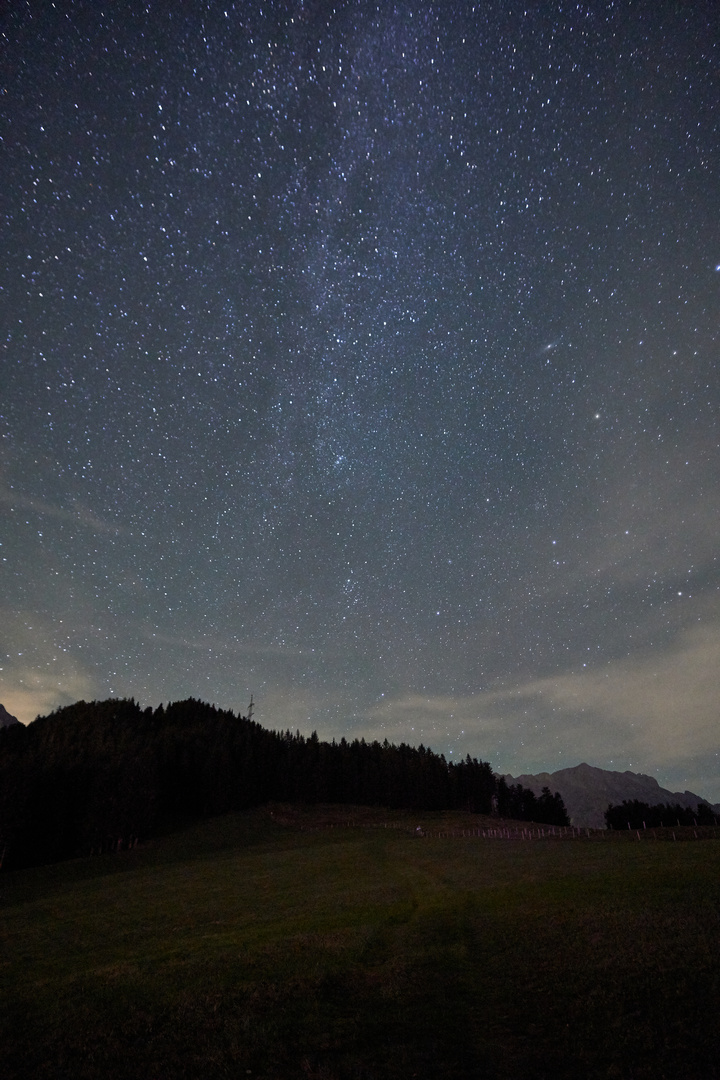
(633, 814)
(516, 801)
(98, 776)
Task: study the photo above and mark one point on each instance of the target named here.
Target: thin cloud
(78, 514)
(37, 674)
(643, 712)
(223, 645)
(660, 708)
(27, 694)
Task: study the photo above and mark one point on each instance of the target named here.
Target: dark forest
(104, 775)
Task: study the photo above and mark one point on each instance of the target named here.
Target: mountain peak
(6, 719)
(587, 791)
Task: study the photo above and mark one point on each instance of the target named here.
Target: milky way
(363, 358)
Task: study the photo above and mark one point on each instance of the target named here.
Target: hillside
(99, 776)
(277, 944)
(587, 791)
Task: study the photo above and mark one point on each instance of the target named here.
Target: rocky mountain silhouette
(587, 791)
(6, 719)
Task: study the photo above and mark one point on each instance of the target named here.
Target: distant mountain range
(587, 791)
(6, 719)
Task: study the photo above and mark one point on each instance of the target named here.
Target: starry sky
(363, 357)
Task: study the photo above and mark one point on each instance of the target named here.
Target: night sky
(363, 357)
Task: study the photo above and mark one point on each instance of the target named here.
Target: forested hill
(101, 775)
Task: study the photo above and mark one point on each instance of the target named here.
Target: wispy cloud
(27, 694)
(656, 708)
(37, 674)
(650, 711)
(77, 513)
(217, 644)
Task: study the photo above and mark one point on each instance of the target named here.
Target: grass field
(278, 946)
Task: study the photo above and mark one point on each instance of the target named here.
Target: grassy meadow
(284, 944)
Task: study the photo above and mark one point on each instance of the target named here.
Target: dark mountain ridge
(6, 718)
(587, 791)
